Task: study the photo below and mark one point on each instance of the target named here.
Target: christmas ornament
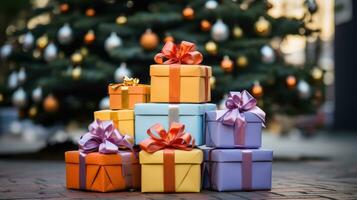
(89, 37)
(113, 41)
(50, 52)
(19, 98)
(212, 82)
(28, 41)
(257, 89)
(104, 103)
(205, 25)
(169, 38)
(6, 50)
(227, 64)
(262, 27)
(37, 94)
(36, 53)
(76, 58)
(1, 97)
(188, 13)
(122, 19)
(316, 73)
(33, 111)
(121, 72)
(245, 4)
(219, 31)
(304, 89)
(12, 81)
(21, 76)
(84, 51)
(90, 12)
(50, 104)
(237, 32)
(211, 47)
(42, 41)
(242, 61)
(149, 40)
(211, 4)
(76, 73)
(64, 34)
(268, 55)
(311, 6)
(64, 7)
(291, 81)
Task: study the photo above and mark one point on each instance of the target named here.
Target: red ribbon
(183, 53)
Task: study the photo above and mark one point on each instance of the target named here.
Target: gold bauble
(188, 13)
(257, 90)
(149, 40)
(121, 20)
(84, 51)
(90, 12)
(211, 47)
(1, 98)
(33, 111)
(89, 37)
(169, 38)
(64, 7)
(42, 42)
(242, 61)
(36, 53)
(237, 32)
(291, 81)
(262, 27)
(77, 58)
(205, 25)
(212, 82)
(227, 64)
(317, 73)
(50, 104)
(76, 73)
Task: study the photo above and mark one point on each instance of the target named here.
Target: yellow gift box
(184, 174)
(123, 120)
(178, 83)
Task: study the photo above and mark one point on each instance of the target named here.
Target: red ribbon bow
(175, 138)
(184, 53)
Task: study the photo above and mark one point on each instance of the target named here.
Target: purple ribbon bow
(237, 104)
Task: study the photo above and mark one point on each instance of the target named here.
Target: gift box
(123, 120)
(125, 95)
(180, 79)
(192, 115)
(252, 169)
(240, 126)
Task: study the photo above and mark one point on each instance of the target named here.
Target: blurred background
(294, 56)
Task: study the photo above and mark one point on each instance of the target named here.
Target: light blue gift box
(191, 115)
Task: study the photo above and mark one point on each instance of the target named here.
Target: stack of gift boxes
(171, 132)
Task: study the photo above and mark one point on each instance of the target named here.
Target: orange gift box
(122, 96)
(102, 172)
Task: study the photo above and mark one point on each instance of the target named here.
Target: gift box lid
(185, 70)
(195, 156)
(137, 89)
(114, 115)
(235, 155)
(214, 115)
(163, 108)
(97, 158)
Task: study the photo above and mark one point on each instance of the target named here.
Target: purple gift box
(239, 126)
(237, 169)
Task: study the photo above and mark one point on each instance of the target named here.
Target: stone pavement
(329, 179)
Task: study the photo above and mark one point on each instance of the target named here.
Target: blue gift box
(191, 115)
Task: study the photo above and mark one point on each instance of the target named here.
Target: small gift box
(168, 162)
(192, 115)
(125, 95)
(99, 165)
(180, 79)
(252, 169)
(240, 126)
(123, 120)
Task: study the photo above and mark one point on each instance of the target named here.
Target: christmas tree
(60, 64)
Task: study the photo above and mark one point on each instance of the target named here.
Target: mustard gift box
(176, 169)
(123, 120)
(178, 83)
(122, 96)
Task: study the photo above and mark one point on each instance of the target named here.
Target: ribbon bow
(104, 138)
(184, 53)
(175, 138)
(126, 82)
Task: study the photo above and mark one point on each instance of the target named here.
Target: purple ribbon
(237, 104)
(247, 167)
(104, 138)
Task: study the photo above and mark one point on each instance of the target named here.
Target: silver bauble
(104, 103)
(21, 76)
(12, 81)
(29, 41)
(19, 98)
(50, 52)
(37, 94)
(64, 34)
(219, 31)
(268, 55)
(6, 50)
(304, 89)
(211, 4)
(113, 41)
(120, 72)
